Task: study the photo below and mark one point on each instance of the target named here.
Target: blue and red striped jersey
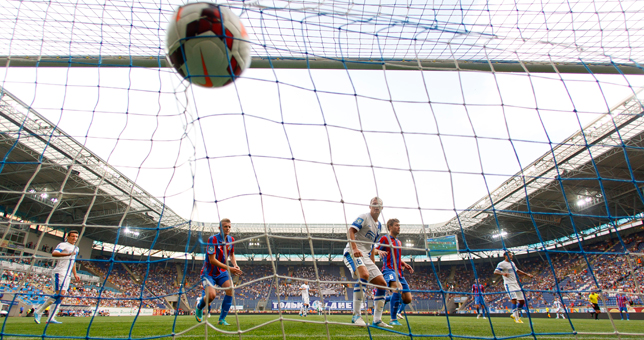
(622, 300)
(388, 260)
(222, 250)
(477, 289)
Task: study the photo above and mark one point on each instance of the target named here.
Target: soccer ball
(207, 44)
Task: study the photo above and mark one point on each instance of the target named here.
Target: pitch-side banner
(116, 311)
(328, 305)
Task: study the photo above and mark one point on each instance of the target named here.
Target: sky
(190, 146)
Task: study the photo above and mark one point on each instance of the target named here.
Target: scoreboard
(441, 246)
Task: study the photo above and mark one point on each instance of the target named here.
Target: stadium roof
(592, 178)
(55, 180)
(58, 182)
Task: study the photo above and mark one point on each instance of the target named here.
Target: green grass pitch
(294, 327)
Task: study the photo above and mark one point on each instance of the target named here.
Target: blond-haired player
(359, 258)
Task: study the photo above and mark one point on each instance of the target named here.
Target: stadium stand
(123, 280)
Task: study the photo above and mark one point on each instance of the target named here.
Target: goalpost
(514, 125)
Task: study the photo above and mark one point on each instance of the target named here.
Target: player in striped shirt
(392, 269)
(220, 250)
(478, 290)
(622, 303)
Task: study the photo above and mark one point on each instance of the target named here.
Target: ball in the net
(207, 44)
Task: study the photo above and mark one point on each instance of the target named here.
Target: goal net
(486, 127)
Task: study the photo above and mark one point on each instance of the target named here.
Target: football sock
(358, 293)
(402, 306)
(520, 308)
(44, 306)
(53, 311)
(225, 306)
(202, 303)
(395, 304)
(379, 302)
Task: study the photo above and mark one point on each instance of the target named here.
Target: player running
(392, 269)
(219, 250)
(593, 298)
(558, 308)
(510, 273)
(359, 258)
(61, 275)
(478, 290)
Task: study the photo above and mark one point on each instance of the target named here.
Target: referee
(593, 299)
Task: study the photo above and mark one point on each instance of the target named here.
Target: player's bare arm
(408, 267)
(57, 253)
(352, 238)
(496, 272)
(521, 272)
(233, 260)
(382, 248)
(213, 260)
(75, 274)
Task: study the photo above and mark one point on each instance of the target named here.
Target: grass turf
(294, 327)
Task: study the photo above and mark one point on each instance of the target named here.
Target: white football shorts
(61, 281)
(514, 291)
(353, 264)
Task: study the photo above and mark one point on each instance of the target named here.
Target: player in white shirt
(304, 289)
(359, 258)
(318, 306)
(61, 275)
(558, 308)
(510, 272)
